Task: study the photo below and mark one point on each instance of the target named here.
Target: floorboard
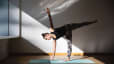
(108, 59)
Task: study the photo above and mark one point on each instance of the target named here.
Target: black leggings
(68, 37)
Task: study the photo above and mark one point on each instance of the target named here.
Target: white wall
(14, 19)
(31, 38)
(96, 38)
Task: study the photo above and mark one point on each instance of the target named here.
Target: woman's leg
(69, 51)
(78, 25)
(69, 41)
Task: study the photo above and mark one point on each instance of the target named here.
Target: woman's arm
(54, 49)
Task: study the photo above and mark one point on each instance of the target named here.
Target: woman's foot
(51, 57)
(68, 59)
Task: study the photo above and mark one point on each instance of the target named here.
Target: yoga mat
(78, 61)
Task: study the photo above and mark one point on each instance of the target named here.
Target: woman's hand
(51, 57)
(51, 30)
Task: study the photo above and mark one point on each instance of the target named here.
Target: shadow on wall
(92, 41)
(2, 3)
(39, 6)
(3, 17)
(20, 45)
(3, 48)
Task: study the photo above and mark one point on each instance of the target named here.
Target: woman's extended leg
(69, 41)
(69, 49)
(78, 25)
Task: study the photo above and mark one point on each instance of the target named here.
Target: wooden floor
(107, 59)
(24, 59)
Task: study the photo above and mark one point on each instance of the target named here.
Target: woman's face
(47, 37)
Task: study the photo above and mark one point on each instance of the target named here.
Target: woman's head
(46, 36)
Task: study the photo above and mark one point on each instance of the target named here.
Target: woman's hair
(44, 34)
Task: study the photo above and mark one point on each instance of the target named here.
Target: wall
(3, 29)
(96, 38)
(3, 48)
(3, 17)
(14, 18)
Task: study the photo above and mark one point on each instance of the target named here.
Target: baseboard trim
(98, 54)
(39, 54)
(73, 54)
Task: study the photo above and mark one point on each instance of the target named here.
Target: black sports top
(59, 32)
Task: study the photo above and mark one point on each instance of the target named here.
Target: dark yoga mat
(78, 61)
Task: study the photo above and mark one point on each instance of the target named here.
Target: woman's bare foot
(68, 59)
(51, 57)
